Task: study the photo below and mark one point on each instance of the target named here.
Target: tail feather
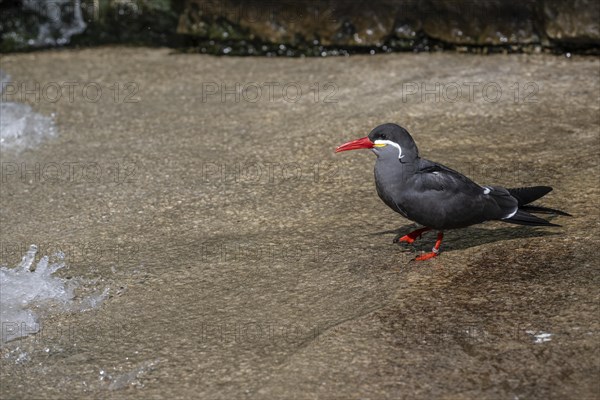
(524, 218)
(528, 195)
(524, 197)
(544, 210)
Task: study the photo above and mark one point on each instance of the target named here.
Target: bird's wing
(458, 200)
(434, 176)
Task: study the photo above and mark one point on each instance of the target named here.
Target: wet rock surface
(245, 259)
(386, 25)
(306, 27)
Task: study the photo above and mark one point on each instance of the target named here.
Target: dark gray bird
(438, 197)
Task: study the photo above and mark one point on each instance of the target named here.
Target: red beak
(363, 143)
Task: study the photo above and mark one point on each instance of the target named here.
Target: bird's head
(388, 141)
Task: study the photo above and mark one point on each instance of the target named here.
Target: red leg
(411, 237)
(434, 251)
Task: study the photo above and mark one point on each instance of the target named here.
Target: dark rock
(575, 22)
(304, 27)
(292, 22)
(480, 23)
(34, 24)
(395, 24)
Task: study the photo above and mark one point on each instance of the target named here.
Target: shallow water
(245, 259)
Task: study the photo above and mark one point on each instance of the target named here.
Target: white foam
(20, 126)
(131, 378)
(59, 23)
(27, 289)
(540, 337)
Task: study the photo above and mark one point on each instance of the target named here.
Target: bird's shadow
(461, 239)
